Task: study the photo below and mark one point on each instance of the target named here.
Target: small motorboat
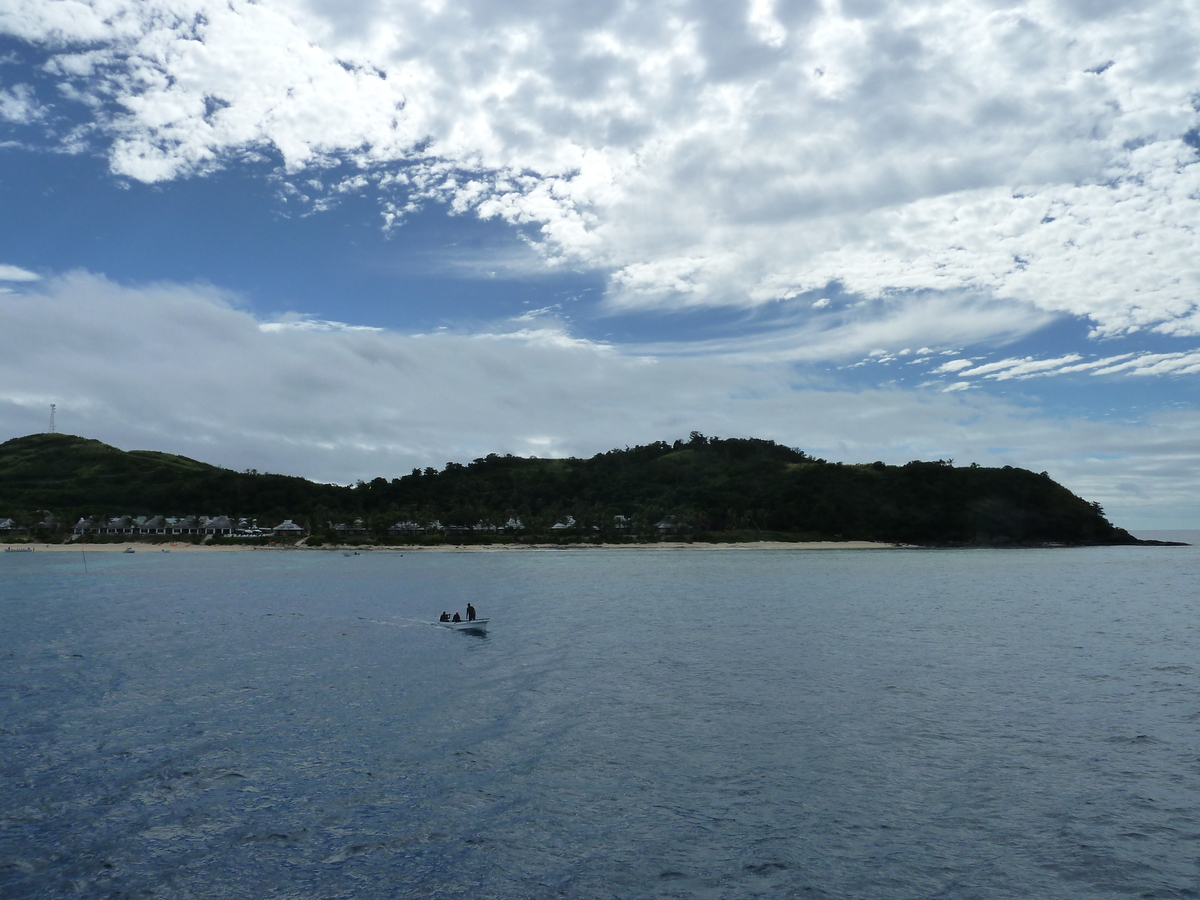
(128, 550)
(478, 626)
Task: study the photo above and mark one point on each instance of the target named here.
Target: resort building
(119, 525)
(186, 525)
(353, 530)
(217, 525)
(405, 528)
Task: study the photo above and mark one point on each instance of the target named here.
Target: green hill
(74, 476)
(703, 489)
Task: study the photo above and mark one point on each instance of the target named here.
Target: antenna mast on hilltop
(52, 408)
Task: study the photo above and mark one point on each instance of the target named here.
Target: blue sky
(343, 240)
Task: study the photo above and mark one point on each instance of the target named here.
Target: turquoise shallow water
(850, 724)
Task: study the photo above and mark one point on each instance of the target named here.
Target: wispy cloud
(296, 322)
(1157, 364)
(1018, 368)
(837, 334)
(1142, 363)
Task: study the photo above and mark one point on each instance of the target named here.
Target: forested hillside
(701, 489)
(72, 476)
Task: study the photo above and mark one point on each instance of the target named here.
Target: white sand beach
(184, 547)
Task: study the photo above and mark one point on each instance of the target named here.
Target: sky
(346, 239)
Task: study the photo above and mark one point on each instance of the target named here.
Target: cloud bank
(187, 370)
(1040, 154)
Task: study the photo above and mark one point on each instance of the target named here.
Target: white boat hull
(479, 626)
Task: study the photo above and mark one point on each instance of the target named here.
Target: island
(58, 487)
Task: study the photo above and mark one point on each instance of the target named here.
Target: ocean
(635, 724)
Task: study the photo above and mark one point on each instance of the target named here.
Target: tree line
(699, 488)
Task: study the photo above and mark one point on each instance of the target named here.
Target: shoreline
(662, 546)
(453, 548)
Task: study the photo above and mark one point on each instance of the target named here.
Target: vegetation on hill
(73, 476)
(702, 488)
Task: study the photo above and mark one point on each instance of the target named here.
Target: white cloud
(955, 365)
(1184, 362)
(949, 318)
(294, 322)
(16, 273)
(185, 370)
(706, 153)
(1017, 368)
(17, 105)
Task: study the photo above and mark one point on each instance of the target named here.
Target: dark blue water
(842, 724)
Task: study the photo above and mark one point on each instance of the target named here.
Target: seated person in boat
(470, 613)
(457, 618)
(444, 617)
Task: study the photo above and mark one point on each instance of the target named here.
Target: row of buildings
(48, 523)
(186, 525)
(227, 526)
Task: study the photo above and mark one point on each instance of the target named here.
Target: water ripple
(820, 724)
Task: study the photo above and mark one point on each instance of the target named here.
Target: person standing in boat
(470, 613)
(445, 617)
